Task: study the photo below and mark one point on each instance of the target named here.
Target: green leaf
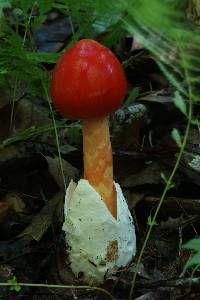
(150, 222)
(17, 11)
(3, 71)
(5, 4)
(162, 28)
(74, 134)
(131, 98)
(165, 179)
(43, 57)
(14, 284)
(195, 246)
(115, 33)
(26, 5)
(180, 103)
(177, 137)
(171, 77)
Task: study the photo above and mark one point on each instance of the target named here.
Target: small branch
(180, 282)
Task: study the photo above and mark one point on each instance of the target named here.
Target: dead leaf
(16, 202)
(151, 174)
(10, 152)
(4, 210)
(162, 96)
(41, 222)
(133, 198)
(28, 114)
(69, 171)
(5, 271)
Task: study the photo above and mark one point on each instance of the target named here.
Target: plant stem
(167, 187)
(78, 287)
(56, 134)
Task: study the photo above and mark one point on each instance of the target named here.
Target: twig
(180, 282)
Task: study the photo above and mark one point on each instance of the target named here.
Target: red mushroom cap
(88, 81)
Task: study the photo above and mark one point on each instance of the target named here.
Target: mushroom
(88, 83)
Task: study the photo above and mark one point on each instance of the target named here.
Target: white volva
(97, 243)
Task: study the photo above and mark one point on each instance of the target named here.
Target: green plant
(14, 285)
(165, 32)
(160, 26)
(31, 132)
(193, 245)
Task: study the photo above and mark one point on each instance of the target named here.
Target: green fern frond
(18, 62)
(161, 26)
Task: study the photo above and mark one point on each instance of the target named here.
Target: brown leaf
(4, 210)
(162, 96)
(15, 201)
(41, 222)
(5, 271)
(69, 171)
(28, 114)
(151, 174)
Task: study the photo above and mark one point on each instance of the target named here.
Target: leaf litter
(32, 189)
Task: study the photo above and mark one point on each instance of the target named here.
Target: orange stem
(98, 162)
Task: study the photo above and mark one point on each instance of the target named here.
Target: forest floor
(32, 192)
